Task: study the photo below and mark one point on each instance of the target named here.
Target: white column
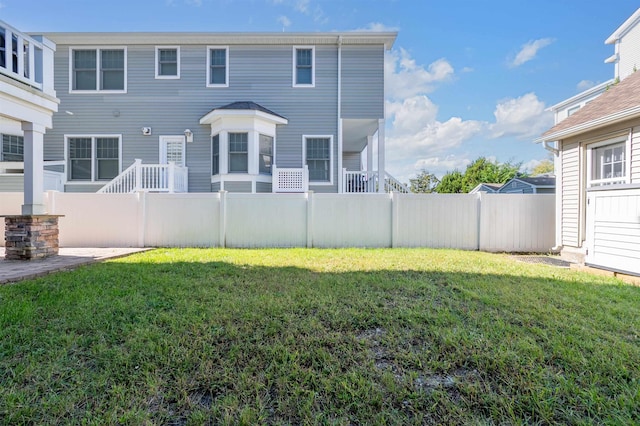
(33, 169)
(370, 153)
(381, 169)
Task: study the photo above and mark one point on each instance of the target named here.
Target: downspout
(340, 174)
(550, 148)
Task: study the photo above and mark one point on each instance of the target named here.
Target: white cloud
(416, 133)
(319, 16)
(441, 165)
(284, 21)
(302, 6)
(467, 69)
(377, 27)
(522, 117)
(585, 84)
(405, 78)
(529, 51)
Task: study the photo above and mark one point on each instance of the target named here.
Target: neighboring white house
(598, 167)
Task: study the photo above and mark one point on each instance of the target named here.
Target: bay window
(238, 153)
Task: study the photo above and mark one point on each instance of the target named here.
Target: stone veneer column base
(31, 237)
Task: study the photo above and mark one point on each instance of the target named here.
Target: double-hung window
(93, 158)
(318, 158)
(265, 154)
(304, 72)
(217, 66)
(12, 148)
(238, 153)
(98, 70)
(167, 62)
(3, 48)
(608, 163)
(215, 160)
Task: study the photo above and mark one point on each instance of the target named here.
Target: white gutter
(340, 174)
(591, 125)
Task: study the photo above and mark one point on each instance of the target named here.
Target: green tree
(451, 183)
(544, 167)
(480, 171)
(424, 183)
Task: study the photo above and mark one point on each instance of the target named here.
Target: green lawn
(319, 337)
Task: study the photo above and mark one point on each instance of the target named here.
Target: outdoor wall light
(189, 135)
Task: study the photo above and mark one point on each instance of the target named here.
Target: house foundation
(29, 237)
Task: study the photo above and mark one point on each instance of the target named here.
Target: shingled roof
(620, 102)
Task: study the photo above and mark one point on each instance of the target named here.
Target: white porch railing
(364, 181)
(150, 178)
(290, 180)
(360, 181)
(391, 184)
(26, 59)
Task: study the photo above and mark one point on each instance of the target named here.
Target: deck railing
(150, 178)
(27, 59)
(363, 181)
(290, 180)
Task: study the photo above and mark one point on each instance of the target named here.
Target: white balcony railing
(363, 181)
(150, 178)
(27, 59)
(290, 180)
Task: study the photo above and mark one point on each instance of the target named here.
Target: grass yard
(416, 336)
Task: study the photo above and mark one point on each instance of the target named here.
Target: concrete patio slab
(67, 259)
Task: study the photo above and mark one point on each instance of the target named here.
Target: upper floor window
(304, 73)
(238, 152)
(318, 158)
(609, 163)
(3, 48)
(217, 66)
(12, 148)
(93, 158)
(167, 62)
(98, 70)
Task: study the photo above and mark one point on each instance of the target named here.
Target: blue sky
(464, 78)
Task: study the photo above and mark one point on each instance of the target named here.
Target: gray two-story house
(204, 112)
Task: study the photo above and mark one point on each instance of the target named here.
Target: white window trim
(313, 66)
(304, 156)
(93, 158)
(226, 79)
(167, 77)
(98, 67)
(627, 160)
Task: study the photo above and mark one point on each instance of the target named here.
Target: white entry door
(172, 149)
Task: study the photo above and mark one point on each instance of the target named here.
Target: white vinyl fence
(489, 222)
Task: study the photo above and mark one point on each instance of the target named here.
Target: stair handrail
(392, 184)
(127, 181)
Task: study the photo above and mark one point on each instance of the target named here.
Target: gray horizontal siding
(351, 161)
(77, 187)
(215, 187)
(516, 188)
(11, 183)
(362, 82)
(232, 186)
(260, 74)
(263, 187)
